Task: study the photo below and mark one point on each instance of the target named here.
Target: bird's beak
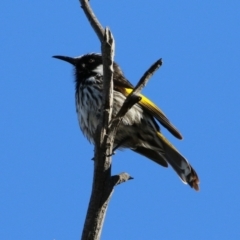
(66, 59)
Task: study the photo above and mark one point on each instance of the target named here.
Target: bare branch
(101, 191)
(134, 97)
(120, 178)
(103, 182)
(146, 76)
(96, 25)
(108, 47)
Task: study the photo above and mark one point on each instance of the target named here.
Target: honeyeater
(139, 129)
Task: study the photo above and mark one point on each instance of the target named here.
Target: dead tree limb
(103, 181)
(134, 97)
(96, 25)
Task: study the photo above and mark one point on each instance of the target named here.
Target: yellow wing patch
(156, 112)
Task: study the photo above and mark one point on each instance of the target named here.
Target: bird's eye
(91, 60)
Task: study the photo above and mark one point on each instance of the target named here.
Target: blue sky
(45, 166)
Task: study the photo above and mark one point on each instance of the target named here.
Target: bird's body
(138, 130)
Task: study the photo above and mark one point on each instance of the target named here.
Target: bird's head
(86, 65)
(91, 65)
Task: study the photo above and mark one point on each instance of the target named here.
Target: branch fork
(103, 181)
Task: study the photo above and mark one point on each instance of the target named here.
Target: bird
(139, 129)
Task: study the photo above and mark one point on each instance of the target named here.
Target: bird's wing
(152, 109)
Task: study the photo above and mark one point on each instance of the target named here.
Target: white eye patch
(98, 69)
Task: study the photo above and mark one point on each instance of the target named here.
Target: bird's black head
(91, 65)
(85, 66)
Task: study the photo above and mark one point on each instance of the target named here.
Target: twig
(134, 97)
(120, 178)
(146, 76)
(96, 25)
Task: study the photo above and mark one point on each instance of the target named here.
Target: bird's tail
(179, 164)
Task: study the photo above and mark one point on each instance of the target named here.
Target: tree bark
(103, 181)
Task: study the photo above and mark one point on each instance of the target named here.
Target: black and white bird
(139, 129)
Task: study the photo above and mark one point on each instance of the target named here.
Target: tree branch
(96, 25)
(146, 76)
(102, 190)
(103, 182)
(134, 97)
(120, 178)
